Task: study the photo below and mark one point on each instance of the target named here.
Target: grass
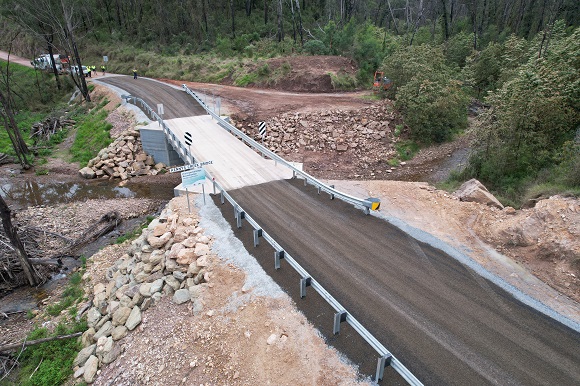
(343, 81)
(50, 363)
(72, 294)
(92, 134)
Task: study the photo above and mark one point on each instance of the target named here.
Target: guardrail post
(339, 317)
(240, 215)
(222, 197)
(304, 282)
(367, 210)
(318, 187)
(383, 362)
(293, 174)
(332, 194)
(257, 235)
(277, 256)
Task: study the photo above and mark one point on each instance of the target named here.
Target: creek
(23, 193)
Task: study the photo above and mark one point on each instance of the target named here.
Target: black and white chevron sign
(262, 128)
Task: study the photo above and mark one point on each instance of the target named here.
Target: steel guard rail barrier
(366, 204)
(341, 315)
(173, 140)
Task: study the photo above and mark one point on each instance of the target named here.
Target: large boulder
(475, 191)
(87, 173)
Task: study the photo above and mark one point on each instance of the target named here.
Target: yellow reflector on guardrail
(375, 203)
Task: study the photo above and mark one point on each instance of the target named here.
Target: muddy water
(25, 193)
(21, 194)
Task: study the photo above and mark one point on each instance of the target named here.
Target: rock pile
(367, 135)
(124, 158)
(171, 257)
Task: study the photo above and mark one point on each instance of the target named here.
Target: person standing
(89, 71)
(103, 69)
(134, 73)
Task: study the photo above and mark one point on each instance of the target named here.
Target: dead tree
(12, 234)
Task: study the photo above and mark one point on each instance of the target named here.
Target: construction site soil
(479, 231)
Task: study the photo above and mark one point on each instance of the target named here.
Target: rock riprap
(172, 257)
(124, 158)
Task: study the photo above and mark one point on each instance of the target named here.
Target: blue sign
(193, 177)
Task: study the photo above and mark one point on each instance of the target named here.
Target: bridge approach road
(446, 323)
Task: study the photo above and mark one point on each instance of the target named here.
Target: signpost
(262, 131)
(188, 140)
(105, 58)
(191, 175)
(191, 178)
(190, 166)
(160, 111)
(218, 103)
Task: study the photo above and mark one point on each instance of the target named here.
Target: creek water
(23, 193)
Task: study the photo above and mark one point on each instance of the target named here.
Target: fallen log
(37, 261)
(16, 346)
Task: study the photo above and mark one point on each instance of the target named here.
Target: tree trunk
(20, 147)
(12, 234)
(393, 17)
(232, 10)
(280, 32)
(300, 29)
(265, 12)
(49, 40)
(445, 19)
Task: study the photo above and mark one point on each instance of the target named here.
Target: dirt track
(446, 324)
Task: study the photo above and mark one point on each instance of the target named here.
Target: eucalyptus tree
(50, 19)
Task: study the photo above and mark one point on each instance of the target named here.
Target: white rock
(84, 354)
(272, 339)
(134, 319)
(91, 367)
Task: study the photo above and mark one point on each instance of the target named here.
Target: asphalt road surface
(176, 103)
(442, 320)
(446, 323)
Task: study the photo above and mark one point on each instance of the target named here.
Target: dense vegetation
(518, 58)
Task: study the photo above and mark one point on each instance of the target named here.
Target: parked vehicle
(85, 70)
(44, 63)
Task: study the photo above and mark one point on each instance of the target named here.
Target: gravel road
(176, 103)
(442, 320)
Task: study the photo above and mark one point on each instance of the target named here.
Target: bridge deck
(235, 165)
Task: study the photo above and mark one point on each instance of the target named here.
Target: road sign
(262, 128)
(193, 177)
(160, 109)
(187, 137)
(190, 166)
(105, 59)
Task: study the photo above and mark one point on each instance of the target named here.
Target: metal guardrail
(367, 204)
(341, 315)
(177, 145)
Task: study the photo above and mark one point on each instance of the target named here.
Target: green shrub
(315, 47)
(434, 109)
(531, 133)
